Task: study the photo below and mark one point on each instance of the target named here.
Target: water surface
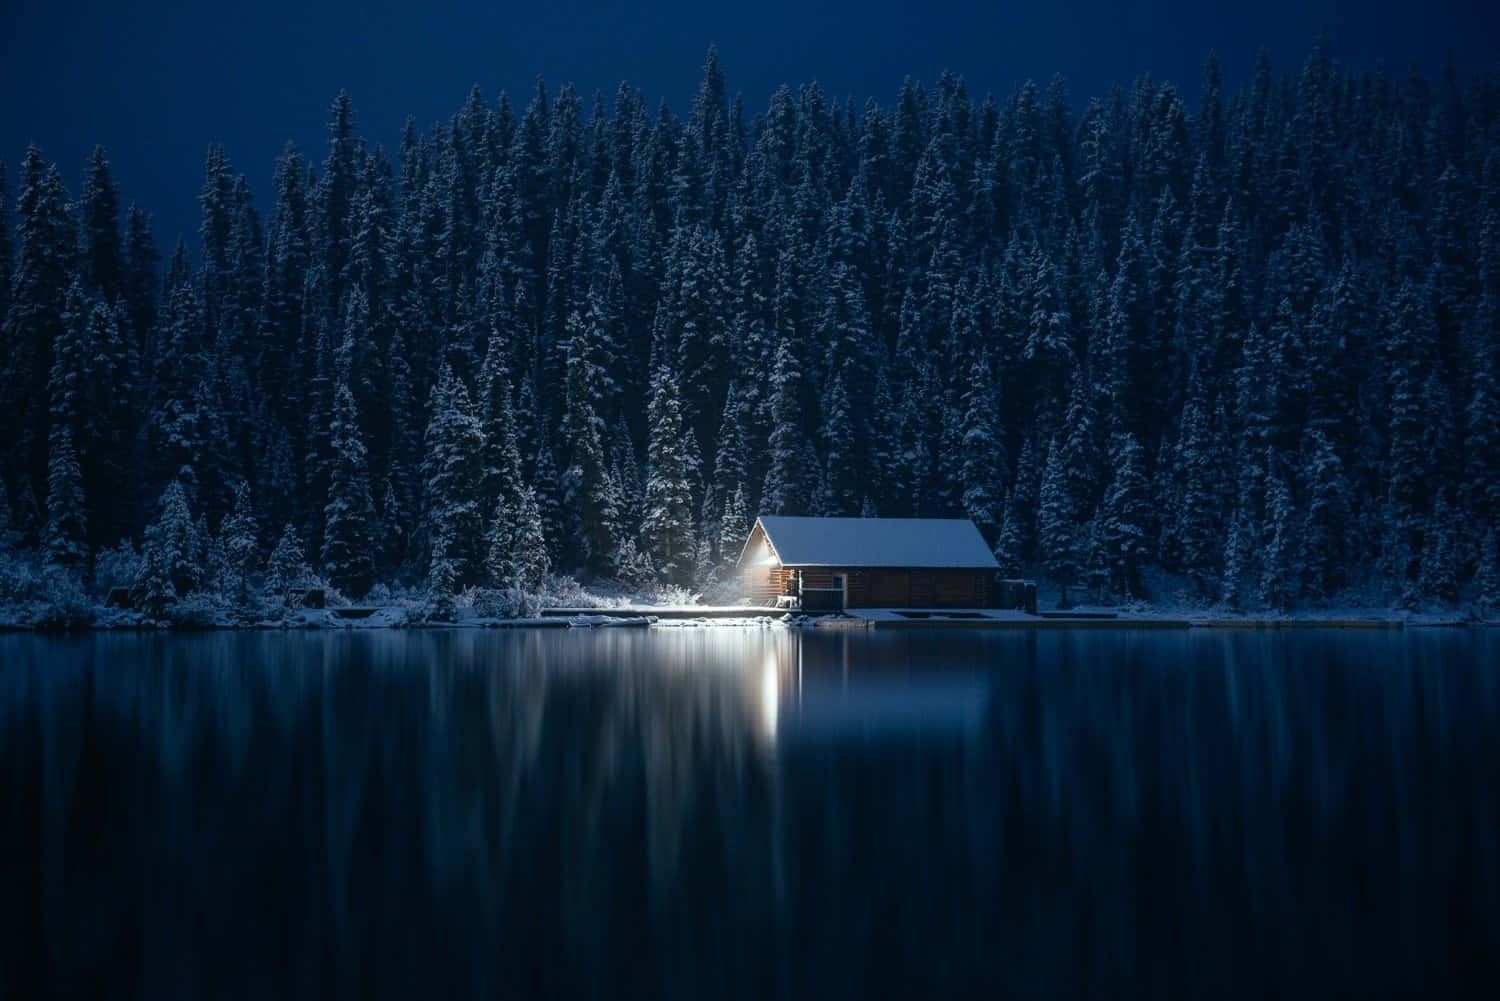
(750, 813)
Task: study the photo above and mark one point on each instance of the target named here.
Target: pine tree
(1481, 480)
(502, 453)
(517, 551)
(1057, 525)
(588, 495)
(240, 537)
(784, 491)
(66, 528)
(174, 548)
(1198, 519)
(348, 517)
(454, 469)
(1238, 549)
(1323, 550)
(45, 243)
(734, 528)
(528, 546)
(1125, 516)
(981, 451)
(730, 470)
(101, 257)
(287, 567)
(1008, 541)
(840, 496)
(668, 527)
(1439, 580)
(1280, 573)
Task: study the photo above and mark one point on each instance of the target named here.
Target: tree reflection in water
(754, 812)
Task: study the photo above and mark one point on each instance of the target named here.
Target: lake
(750, 812)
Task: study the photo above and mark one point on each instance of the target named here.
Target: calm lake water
(750, 813)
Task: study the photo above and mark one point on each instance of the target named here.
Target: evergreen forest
(1235, 349)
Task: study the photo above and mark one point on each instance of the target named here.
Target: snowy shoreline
(677, 616)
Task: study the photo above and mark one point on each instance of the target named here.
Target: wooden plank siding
(762, 585)
(876, 588)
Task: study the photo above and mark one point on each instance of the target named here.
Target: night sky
(155, 82)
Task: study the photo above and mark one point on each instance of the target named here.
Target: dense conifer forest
(1236, 349)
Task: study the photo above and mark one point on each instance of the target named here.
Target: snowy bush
(41, 596)
(669, 594)
(64, 606)
(116, 567)
(199, 610)
(565, 592)
(505, 603)
(20, 577)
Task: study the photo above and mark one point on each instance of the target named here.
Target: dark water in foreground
(751, 813)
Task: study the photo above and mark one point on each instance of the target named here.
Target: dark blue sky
(155, 82)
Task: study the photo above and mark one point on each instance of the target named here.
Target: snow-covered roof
(919, 543)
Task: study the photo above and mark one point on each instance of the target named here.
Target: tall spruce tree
(453, 467)
(348, 517)
(67, 540)
(668, 528)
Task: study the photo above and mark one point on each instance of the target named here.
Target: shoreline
(396, 617)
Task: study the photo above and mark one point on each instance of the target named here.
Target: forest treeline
(1248, 341)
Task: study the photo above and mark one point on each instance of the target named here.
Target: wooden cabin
(832, 563)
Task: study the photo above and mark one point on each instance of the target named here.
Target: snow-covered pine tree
(1008, 541)
(1238, 558)
(348, 517)
(503, 481)
(454, 470)
(528, 546)
(1058, 525)
(668, 527)
(730, 466)
(785, 487)
(240, 537)
(1408, 473)
(547, 488)
(1125, 516)
(67, 536)
(840, 477)
(587, 493)
(1323, 547)
(173, 549)
(287, 567)
(1198, 520)
(734, 528)
(1440, 558)
(38, 284)
(100, 254)
(1281, 575)
(1481, 479)
(982, 464)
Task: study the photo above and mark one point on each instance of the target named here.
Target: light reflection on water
(749, 812)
